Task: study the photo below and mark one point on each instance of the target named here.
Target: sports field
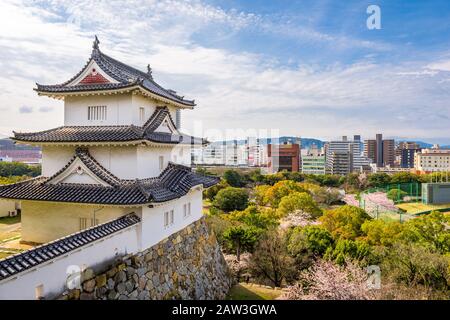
(417, 207)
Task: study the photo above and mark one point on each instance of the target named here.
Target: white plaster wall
(148, 104)
(119, 110)
(54, 273)
(6, 206)
(126, 162)
(121, 161)
(55, 158)
(153, 229)
(148, 160)
(44, 221)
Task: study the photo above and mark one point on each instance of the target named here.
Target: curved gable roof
(125, 75)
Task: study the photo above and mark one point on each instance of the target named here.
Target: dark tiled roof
(31, 258)
(125, 75)
(115, 133)
(91, 164)
(174, 182)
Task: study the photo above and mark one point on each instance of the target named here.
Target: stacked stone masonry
(187, 265)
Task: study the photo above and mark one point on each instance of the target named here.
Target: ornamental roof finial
(96, 43)
(149, 71)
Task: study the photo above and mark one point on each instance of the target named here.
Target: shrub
(240, 238)
(262, 218)
(271, 260)
(211, 192)
(412, 264)
(396, 194)
(298, 201)
(346, 250)
(234, 178)
(231, 198)
(281, 189)
(344, 222)
(307, 242)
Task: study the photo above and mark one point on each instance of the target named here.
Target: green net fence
(380, 203)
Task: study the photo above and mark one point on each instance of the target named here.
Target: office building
(283, 157)
(313, 162)
(380, 151)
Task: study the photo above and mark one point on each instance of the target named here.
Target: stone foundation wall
(187, 265)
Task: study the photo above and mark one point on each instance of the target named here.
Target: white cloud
(52, 40)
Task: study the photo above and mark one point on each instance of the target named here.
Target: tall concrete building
(404, 153)
(388, 152)
(370, 149)
(380, 151)
(283, 157)
(348, 152)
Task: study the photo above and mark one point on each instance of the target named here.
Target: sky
(304, 68)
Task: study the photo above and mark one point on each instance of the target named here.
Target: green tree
(346, 249)
(271, 261)
(233, 178)
(230, 199)
(344, 222)
(412, 265)
(381, 233)
(256, 176)
(10, 169)
(211, 192)
(378, 180)
(308, 242)
(13, 179)
(262, 218)
(298, 201)
(404, 177)
(241, 238)
(430, 230)
(396, 194)
(259, 193)
(281, 189)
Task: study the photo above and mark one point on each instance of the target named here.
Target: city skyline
(319, 77)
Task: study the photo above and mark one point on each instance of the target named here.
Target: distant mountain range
(8, 144)
(306, 143)
(424, 144)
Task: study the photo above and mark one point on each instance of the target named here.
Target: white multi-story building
(223, 153)
(313, 161)
(432, 160)
(119, 156)
(346, 156)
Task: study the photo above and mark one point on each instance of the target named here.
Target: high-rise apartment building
(388, 152)
(381, 152)
(404, 153)
(338, 151)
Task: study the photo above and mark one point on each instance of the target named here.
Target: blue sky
(307, 68)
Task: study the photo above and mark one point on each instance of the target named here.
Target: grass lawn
(4, 255)
(416, 207)
(244, 291)
(206, 205)
(9, 220)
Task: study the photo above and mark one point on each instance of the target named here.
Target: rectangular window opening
(97, 113)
